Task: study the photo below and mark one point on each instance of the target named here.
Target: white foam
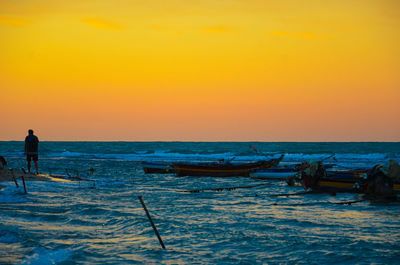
(167, 156)
(44, 256)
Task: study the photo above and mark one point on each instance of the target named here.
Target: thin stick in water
(151, 222)
(23, 181)
(15, 180)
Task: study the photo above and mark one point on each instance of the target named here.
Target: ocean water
(101, 221)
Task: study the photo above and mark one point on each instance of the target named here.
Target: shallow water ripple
(102, 222)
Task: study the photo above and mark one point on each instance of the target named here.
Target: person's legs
(35, 160)
(29, 159)
(36, 166)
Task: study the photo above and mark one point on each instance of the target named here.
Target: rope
(348, 203)
(290, 194)
(316, 203)
(228, 188)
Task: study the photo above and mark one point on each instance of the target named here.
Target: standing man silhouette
(31, 150)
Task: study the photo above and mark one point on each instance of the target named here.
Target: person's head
(30, 131)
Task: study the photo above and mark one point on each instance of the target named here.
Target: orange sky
(200, 70)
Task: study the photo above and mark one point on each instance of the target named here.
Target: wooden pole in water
(15, 180)
(151, 222)
(23, 181)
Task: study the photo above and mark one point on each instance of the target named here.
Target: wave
(343, 159)
(345, 154)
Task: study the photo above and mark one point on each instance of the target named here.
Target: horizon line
(215, 141)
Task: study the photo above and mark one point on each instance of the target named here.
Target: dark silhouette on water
(31, 150)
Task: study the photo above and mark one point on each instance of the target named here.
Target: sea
(101, 220)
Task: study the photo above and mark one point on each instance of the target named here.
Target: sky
(189, 70)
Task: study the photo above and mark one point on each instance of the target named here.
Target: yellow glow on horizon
(189, 70)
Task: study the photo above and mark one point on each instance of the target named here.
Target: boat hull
(345, 186)
(223, 170)
(346, 181)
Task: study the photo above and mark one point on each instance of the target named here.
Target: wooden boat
(222, 169)
(342, 181)
(159, 167)
(368, 181)
(341, 185)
